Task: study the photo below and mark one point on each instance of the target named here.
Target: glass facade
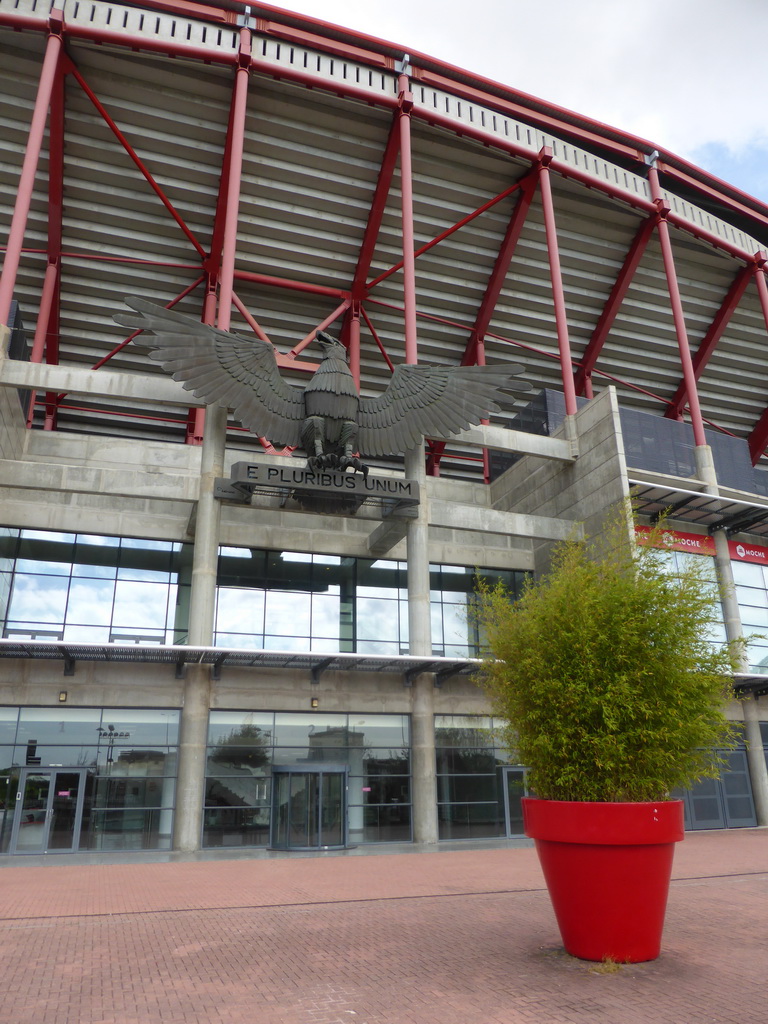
(87, 779)
(751, 583)
(472, 779)
(63, 586)
(247, 750)
(282, 600)
(89, 589)
(676, 560)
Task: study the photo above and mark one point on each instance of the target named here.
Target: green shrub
(605, 676)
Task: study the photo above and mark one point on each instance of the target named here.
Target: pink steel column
(354, 343)
(558, 295)
(759, 436)
(689, 376)
(188, 820)
(227, 272)
(53, 52)
(405, 99)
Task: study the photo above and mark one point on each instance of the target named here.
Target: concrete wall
(12, 427)
(583, 491)
(99, 684)
(149, 489)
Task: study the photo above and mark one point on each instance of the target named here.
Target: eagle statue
(328, 417)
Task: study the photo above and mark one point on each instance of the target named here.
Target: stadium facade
(194, 653)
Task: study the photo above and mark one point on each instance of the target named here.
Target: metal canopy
(716, 513)
(219, 657)
(536, 233)
(754, 684)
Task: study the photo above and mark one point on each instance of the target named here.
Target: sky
(687, 75)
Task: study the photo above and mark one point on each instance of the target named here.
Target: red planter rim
(573, 821)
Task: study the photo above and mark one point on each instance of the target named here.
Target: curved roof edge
(623, 147)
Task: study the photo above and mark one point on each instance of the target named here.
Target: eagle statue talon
(354, 463)
(332, 460)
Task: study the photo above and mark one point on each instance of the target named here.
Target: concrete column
(758, 771)
(424, 795)
(193, 733)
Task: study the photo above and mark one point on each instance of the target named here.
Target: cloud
(680, 73)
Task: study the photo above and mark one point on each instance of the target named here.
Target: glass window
(326, 611)
(38, 598)
(242, 728)
(147, 727)
(9, 718)
(287, 614)
(69, 592)
(240, 610)
(748, 575)
(140, 604)
(381, 730)
(59, 725)
(90, 602)
(296, 729)
(752, 596)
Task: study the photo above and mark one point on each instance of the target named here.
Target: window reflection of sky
(102, 590)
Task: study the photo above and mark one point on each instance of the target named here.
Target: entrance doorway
(513, 789)
(309, 807)
(49, 810)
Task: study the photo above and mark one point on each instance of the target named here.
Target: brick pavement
(435, 938)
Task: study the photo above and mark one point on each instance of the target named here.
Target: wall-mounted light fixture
(62, 696)
(314, 702)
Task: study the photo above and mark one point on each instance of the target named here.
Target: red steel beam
(449, 231)
(475, 348)
(354, 343)
(169, 305)
(405, 99)
(377, 339)
(229, 244)
(501, 266)
(51, 317)
(378, 206)
(632, 147)
(48, 78)
(612, 305)
(544, 353)
(296, 286)
(758, 439)
(121, 138)
(556, 277)
(46, 337)
(678, 315)
(309, 338)
(712, 337)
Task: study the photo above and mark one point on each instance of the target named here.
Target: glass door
(309, 807)
(514, 789)
(49, 810)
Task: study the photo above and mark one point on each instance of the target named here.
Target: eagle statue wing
(217, 366)
(424, 401)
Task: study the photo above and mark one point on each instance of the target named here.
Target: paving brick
(437, 938)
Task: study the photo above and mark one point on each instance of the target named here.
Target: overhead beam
(501, 439)
(621, 285)
(556, 279)
(26, 184)
(454, 516)
(474, 353)
(758, 439)
(711, 338)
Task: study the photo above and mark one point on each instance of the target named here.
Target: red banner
(741, 552)
(703, 544)
(695, 543)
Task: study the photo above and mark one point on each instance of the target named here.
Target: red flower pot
(607, 867)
